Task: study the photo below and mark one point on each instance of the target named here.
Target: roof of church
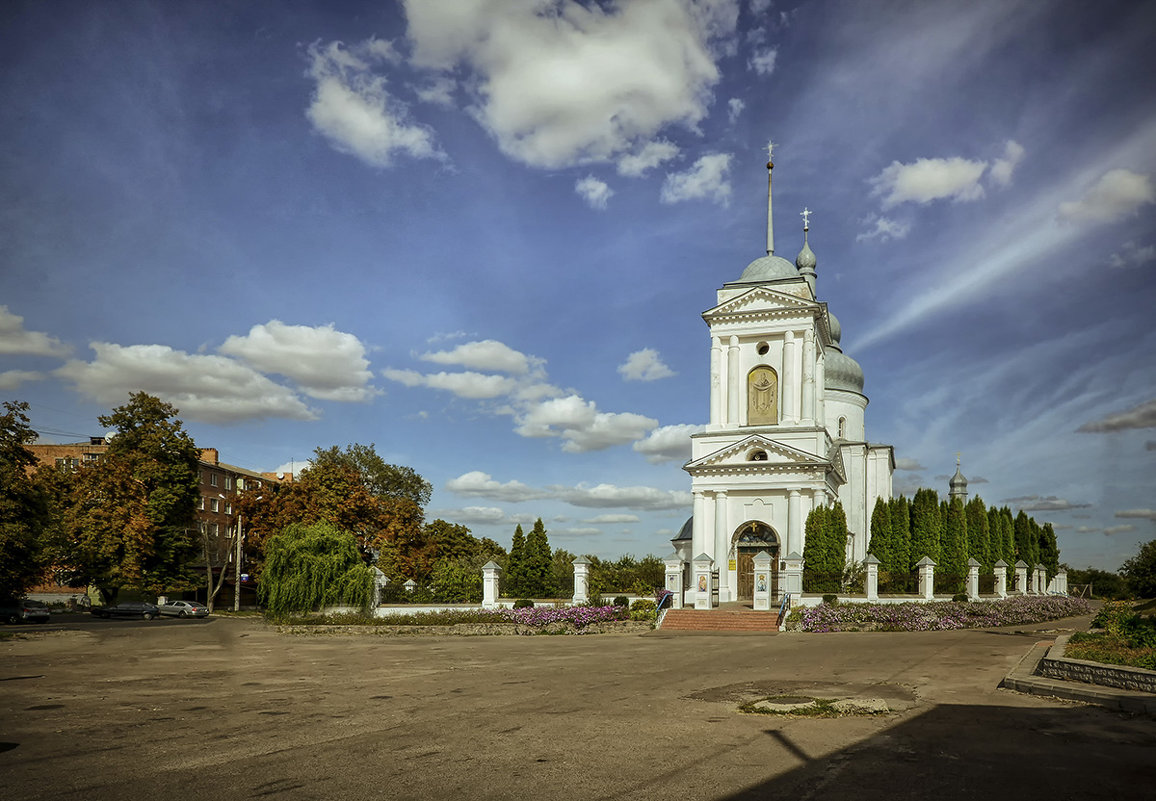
(769, 268)
(687, 530)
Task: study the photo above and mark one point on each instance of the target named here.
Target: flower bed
(551, 619)
(936, 616)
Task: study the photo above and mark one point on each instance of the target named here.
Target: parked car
(127, 609)
(183, 609)
(24, 611)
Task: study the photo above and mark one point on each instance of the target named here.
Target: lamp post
(237, 584)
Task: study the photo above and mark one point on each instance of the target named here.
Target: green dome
(769, 268)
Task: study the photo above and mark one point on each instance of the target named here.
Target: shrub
(622, 600)
(643, 609)
(523, 603)
(939, 616)
(830, 600)
(1113, 616)
(960, 598)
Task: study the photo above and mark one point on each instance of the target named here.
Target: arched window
(762, 396)
(842, 428)
(757, 456)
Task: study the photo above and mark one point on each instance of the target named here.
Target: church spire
(958, 484)
(770, 216)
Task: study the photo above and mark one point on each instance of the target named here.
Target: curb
(1022, 679)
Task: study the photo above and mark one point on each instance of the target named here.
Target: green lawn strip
(1109, 649)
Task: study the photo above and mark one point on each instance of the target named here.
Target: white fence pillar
(1001, 578)
(973, 567)
(926, 578)
(581, 580)
(872, 564)
(763, 562)
(490, 573)
(674, 572)
(703, 595)
(1022, 577)
(793, 574)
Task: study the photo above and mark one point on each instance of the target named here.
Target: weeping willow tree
(311, 566)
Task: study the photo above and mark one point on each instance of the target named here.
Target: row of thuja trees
(904, 531)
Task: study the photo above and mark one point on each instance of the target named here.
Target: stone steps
(721, 620)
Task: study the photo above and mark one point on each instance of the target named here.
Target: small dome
(806, 258)
(958, 480)
(769, 268)
(836, 327)
(840, 371)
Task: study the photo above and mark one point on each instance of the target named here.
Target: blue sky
(480, 234)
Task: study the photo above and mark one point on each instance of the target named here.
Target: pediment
(739, 453)
(761, 300)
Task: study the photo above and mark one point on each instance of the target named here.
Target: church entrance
(753, 537)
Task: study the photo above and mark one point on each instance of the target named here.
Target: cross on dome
(806, 215)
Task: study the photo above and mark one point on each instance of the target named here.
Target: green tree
(824, 550)
(25, 513)
(1049, 550)
(131, 522)
(953, 552)
(881, 536)
(539, 569)
(452, 541)
(979, 534)
(310, 566)
(562, 564)
(457, 581)
(1140, 571)
(1024, 540)
(380, 479)
(926, 525)
(513, 584)
(902, 563)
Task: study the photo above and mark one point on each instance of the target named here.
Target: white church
(786, 434)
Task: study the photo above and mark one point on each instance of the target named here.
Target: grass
(1109, 649)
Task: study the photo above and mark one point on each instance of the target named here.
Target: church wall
(847, 405)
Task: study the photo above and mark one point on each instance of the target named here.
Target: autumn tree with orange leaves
(130, 522)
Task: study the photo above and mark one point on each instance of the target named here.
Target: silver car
(183, 609)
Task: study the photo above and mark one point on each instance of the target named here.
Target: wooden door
(746, 577)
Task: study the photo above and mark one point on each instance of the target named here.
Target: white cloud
(608, 519)
(1141, 416)
(644, 365)
(1131, 255)
(1045, 503)
(475, 515)
(885, 229)
(1117, 194)
(352, 109)
(926, 180)
(595, 192)
(468, 384)
(15, 341)
(477, 484)
(668, 443)
(760, 6)
(707, 179)
(12, 379)
(1110, 530)
(735, 107)
(908, 464)
(326, 363)
(1142, 514)
(1002, 168)
(580, 425)
(212, 389)
(763, 61)
(488, 354)
(650, 156)
(563, 83)
(439, 91)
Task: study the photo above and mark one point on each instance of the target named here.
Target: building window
(91, 458)
(228, 482)
(212, 479)
(842, 428)
(202, 503)
(213, 505)
(757, 456)
(240, 483)
(213, 529)
(228, 508)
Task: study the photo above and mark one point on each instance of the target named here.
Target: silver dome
(836, 327)
(769, 268)
(840, 371)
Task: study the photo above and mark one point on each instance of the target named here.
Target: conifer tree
(979, 534)
(1049, 550)
(1037, 536)
(926, 526)
(537, 565)
(1007, 527)
(901, 536)
(881, 536)
(1023, 539)
(954, 548)
(515, 565)
(822, 569)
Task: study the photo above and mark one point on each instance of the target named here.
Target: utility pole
(237, 584)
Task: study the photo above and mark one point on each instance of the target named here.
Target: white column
(794, 524)
(674, 568)
(789, 384)
(698, 527)
(716, 385)
(973, 567)
(703, 596)
(735, 393)
(490, 572)
(872, 587)
(1001, 578)
(709, 544)
(762, 589)
(808, 377)
(820, 388)
(722, 546)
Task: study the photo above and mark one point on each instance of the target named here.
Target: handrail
(784, 606)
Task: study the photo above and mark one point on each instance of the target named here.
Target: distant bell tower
(958, 484)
